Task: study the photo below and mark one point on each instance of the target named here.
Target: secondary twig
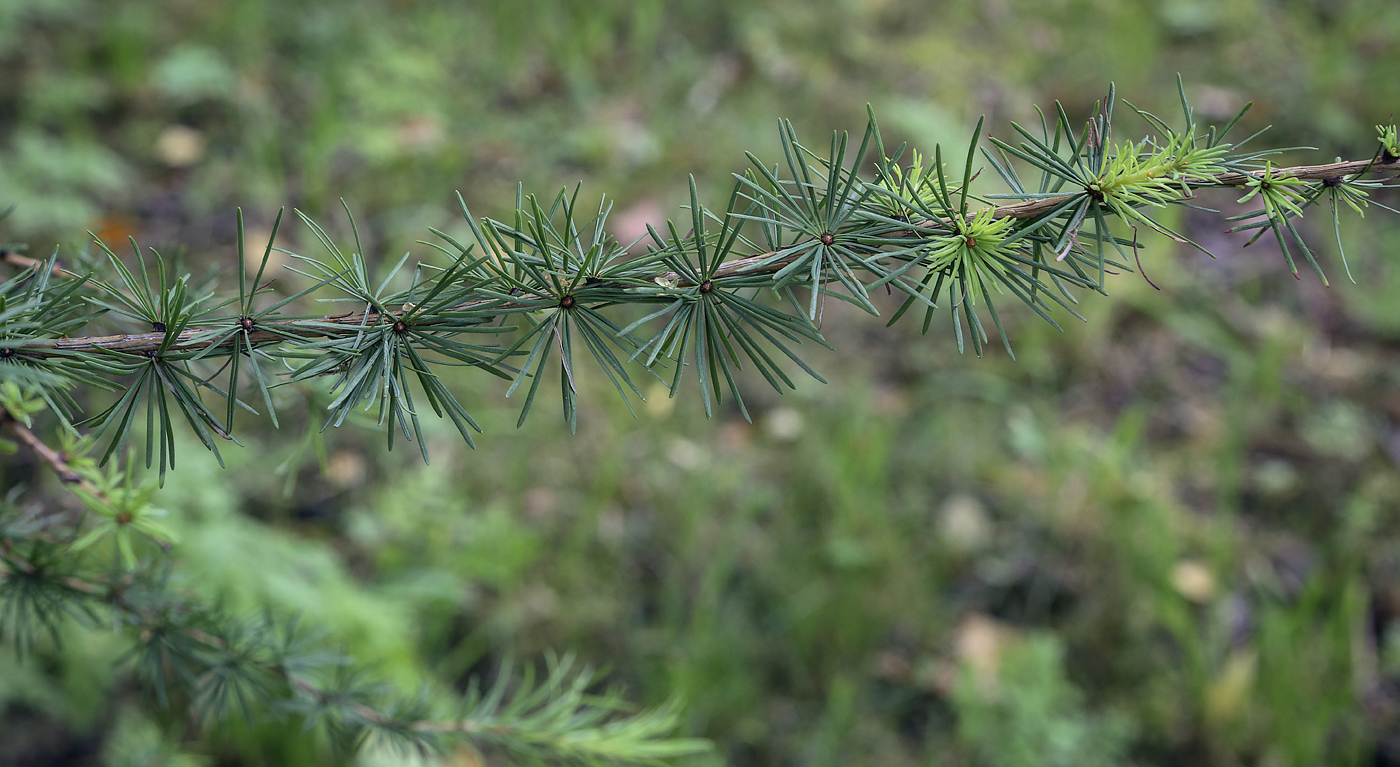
(25, 262)
(48, 455)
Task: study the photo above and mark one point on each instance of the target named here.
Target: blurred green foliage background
(1166, 536)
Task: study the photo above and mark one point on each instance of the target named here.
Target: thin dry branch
(48, 455)
(25, 262)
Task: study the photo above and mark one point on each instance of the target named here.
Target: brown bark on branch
(48, 455)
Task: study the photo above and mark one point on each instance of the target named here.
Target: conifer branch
(742, 284)
(216, 663)
(760, 264)
(1334, 170)
(745, 283)
(576, 729)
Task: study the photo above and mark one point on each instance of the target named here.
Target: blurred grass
(1166, 536)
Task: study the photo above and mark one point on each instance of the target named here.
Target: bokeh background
(1166, 536)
